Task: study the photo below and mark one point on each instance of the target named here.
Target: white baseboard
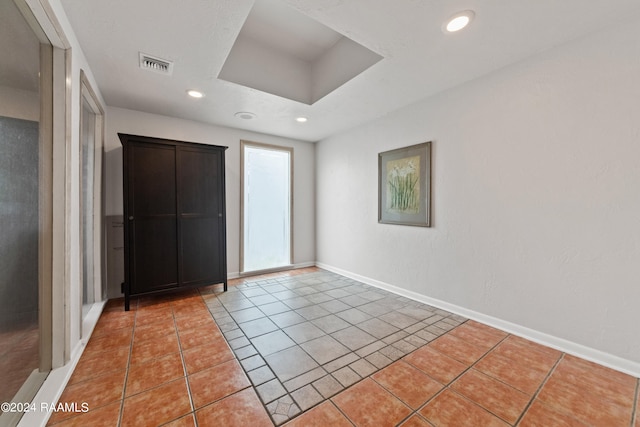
(597, 356)
(58, 378)
(236, 274)
(305, 264)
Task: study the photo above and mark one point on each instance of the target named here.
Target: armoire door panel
(199, 181)
(152, 180)
(200, 249)
(154, 257)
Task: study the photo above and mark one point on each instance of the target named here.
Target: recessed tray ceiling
(286, 53)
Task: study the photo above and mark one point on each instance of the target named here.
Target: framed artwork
(404, 186)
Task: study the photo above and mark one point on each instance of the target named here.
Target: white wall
(19, 104)
(536, 204)
(139, 123)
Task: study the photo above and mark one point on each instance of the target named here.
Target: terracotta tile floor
(311, 348)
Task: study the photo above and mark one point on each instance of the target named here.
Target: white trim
(96, 252)
(25, 394)
(236, 274)
(304, 264)
(91, 320)
(59, 178)
(597, 356)
(58, 378)
(244, 144)
(48, 22)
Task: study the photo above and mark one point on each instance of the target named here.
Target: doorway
(266, 212)
(25, 206)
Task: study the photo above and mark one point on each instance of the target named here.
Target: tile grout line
(126, 375)
(246, 372)
(184, 363)
(534, 395)
(635, 416)
(537, 393)
(413, 411)
(445, 386)
(184, 370)
(364, 358)
(448, 385)
(532, 399)
(289, 393)
(337, 407)
(234, 358)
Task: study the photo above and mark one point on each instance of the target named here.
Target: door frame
(246, 143)
(89, 95)
(53, 267)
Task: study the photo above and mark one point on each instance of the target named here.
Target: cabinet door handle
(220, 215)
(131, 218)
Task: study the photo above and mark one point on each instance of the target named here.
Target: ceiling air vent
(152, 63)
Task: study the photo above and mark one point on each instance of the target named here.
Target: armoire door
(200, 215)
(152, 217)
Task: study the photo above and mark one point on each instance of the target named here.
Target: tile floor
(312, 348)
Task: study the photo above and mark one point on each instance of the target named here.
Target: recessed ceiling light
(195, 93)
(458, 21)
(246, 115)
(301, 119)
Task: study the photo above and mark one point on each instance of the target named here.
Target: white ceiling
(298, 34)
(419, 59)
(286, 53)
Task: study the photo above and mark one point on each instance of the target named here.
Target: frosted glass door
(266, 208)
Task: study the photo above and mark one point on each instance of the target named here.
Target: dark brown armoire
(174, 215)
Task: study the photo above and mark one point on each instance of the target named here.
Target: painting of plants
(403, 185)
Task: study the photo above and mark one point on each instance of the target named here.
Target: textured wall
(535, 195)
